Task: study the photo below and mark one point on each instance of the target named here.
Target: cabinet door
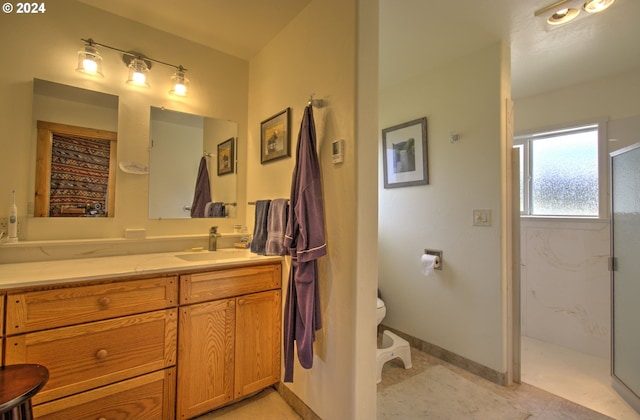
(1, 328)
(257, 342)
(205, 357)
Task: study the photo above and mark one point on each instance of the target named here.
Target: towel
(260, 229)
(276, 224)
(217, 210)
(202, 193)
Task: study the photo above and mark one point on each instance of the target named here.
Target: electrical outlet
(4, 225)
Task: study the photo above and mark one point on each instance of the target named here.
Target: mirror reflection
(192, 166)
(75, 133)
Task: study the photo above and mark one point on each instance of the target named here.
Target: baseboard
(453, 358)
(296, 403)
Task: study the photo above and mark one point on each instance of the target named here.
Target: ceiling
(421, 34)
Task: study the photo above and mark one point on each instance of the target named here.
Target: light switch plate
(481, 217)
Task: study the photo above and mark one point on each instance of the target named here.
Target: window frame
(523, 141)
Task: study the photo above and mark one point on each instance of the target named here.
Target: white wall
(177, 148)
(462, 307)
(45, 46)
(316, 53)
(566, 296)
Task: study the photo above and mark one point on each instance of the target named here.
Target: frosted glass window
(564, 174)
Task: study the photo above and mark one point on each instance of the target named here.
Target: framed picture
(275, 142)
(404, 154)
(226, 157)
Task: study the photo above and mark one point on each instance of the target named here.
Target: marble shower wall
(566, 298)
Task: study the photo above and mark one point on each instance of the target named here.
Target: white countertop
(50, 272)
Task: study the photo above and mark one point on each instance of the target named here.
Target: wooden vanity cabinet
(229, 340)
(185, 342)
(110, 346)
(2, 297)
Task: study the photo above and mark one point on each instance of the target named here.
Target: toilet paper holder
(436, 253)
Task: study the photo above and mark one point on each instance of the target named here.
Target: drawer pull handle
(102, 418)
(104, 302)
(102, 354)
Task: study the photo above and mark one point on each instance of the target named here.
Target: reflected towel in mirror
(202, 194)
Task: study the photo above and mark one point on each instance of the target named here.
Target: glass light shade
(595, 6)
(138, 73)
(179, 84)
(90, 61)
(563, 16)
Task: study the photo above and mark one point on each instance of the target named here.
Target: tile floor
(576, 376)
(536, 402)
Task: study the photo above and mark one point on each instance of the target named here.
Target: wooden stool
(18, 383)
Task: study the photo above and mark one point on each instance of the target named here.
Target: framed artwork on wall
(275, 140)
(404, 154)
(225, 157)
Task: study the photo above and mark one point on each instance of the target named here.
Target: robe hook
(317, 103)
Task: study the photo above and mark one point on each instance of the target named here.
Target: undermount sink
(222, 254)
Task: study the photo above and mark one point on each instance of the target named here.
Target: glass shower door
(625, 274)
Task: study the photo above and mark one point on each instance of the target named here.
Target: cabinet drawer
(87, 356)
(38, 310)
(149, 397)
(201, 287)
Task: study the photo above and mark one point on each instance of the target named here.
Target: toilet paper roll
(428, 263)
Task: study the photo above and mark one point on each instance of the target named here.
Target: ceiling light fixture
(180, 83)
(564, 11)
(90, 60)
(596, 6)
(139, 65)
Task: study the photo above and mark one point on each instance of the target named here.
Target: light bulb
(180, 83)
(139, 78)
(138, 73)
(89, 66)
(180, 89)
(89, 61)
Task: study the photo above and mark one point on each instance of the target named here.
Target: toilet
(392, 345)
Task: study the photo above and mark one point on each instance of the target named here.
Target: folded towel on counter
(259, 240)
(276, 224)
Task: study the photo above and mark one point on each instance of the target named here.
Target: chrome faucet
(213, 238)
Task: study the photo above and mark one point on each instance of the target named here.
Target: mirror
(179, 142)
(75, 134)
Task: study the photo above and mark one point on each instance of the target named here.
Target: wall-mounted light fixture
(564, 11)
(90, 62)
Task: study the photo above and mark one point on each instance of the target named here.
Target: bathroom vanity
(154, 336)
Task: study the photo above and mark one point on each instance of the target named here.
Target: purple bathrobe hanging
(305, 239)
